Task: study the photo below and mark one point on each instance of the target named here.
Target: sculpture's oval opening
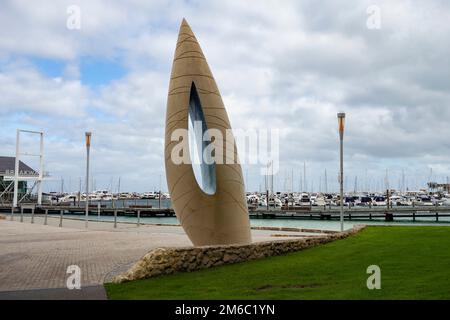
(202, 164)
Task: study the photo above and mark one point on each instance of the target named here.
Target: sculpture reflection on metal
(213, 210)
(207, 181)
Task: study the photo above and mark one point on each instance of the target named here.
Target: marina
(431, 203)
(224, 150)
(109, 209)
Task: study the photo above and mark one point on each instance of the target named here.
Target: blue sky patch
(93, 72)
(49, 67)
(97, 72)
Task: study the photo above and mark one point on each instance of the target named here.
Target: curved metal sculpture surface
(212, 209)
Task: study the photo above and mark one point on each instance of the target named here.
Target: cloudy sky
(289, 65)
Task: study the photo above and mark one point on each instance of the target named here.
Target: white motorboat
(148, 195)
(425, 201)
(320, 201)
(379, 201)
(305, 200)
(274, 202)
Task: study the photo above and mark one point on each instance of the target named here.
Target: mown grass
(414, 262)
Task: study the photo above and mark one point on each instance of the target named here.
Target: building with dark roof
(7, 170)
(7, 165)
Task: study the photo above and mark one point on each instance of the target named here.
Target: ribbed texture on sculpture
(215, 212)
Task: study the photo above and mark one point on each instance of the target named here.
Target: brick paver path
(36, 256)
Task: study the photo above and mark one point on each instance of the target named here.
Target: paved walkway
(85, 293)
(36, 256)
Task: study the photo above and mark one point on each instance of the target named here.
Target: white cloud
(291, 65)
(24, 89)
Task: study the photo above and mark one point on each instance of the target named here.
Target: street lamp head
(88, 139)
(341, 121)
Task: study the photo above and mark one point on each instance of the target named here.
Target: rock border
(163, 261)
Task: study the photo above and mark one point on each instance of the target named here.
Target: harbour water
(284, 222)
(256, 222)
(294, 223)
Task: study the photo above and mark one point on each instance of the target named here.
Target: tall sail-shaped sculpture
(213, 210)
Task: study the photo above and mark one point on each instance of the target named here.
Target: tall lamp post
(88, 146)
(341, 122)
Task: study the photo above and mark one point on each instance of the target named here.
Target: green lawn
(414, 262)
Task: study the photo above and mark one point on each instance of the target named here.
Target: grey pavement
(34, 257)
(84, 293)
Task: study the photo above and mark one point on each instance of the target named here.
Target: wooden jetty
(374, 213)
(314, 213)
(133, 211)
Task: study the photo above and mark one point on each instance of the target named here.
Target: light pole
(88, 146)
(341, 122)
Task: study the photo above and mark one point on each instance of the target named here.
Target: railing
(6, 198)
